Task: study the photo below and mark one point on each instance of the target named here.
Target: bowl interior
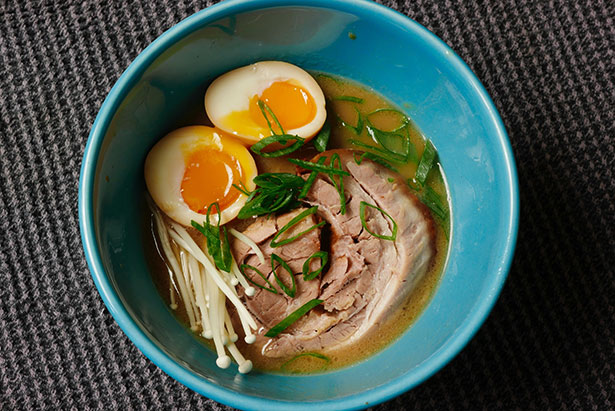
(390, 54)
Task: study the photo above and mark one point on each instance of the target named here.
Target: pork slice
(368, 277)
(269, 308)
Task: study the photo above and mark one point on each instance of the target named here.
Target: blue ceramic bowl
(393, 55)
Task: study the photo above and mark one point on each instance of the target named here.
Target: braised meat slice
(367, 278)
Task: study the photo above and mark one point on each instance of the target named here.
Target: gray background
(550, 341)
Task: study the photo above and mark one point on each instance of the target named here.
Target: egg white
(232, 92)
(165, 168)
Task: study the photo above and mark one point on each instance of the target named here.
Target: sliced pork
(367, 277)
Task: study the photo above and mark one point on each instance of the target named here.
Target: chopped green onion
(322, 138)
(282, 139)
(310, 180)
(362, 208)
(284, 367)
(414, 185)
(218, 244)
(405, 119)
(292, 318)
(375, 158)
(242, 189)
(329, 77)
(242, 268)
(339, 185)
(292, 223)
(310, 275)
(289, 291)
(406, 151)
(308, 165)
(426, 163)
(352, 99)
(275, 192)
(391, 180)
(386, 154)
(275, 180)
(432, 200)
(356, 129)
(264, 109)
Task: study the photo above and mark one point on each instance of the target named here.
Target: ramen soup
(299, 224)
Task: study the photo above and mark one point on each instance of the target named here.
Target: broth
(407, 313)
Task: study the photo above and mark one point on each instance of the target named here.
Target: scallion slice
(427, 160)
(362, 208)
(356, 129)
(336, 162)
(322, 138)
(292, 318)
(266, 109)
(282, 139)
(274, 243)
(375, 158)
(404, 122)
(218, 244)
(386, 154)
(432, 200)
(310, 275)
(308, 165)
(281, 263)
(351, 99)
(312, 177)
(242, 269)
(327, 360)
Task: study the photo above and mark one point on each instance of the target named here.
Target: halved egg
(290, 93)
(193, 167)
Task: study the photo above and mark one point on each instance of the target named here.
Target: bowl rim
(129, 78)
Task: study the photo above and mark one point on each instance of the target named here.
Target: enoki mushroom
(204, 290)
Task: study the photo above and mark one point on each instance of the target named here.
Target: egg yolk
(293, 106)
(209, 178)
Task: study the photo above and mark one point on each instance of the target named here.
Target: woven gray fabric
(550, 341)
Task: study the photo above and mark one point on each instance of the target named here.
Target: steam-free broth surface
(343, 99)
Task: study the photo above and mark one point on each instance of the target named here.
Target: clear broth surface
(400, 320)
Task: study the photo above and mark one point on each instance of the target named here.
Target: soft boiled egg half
(292, 95)
(193, 167)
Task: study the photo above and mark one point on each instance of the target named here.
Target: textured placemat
(550, 341)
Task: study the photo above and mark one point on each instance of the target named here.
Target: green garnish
(322, 138)
(352, 99)
(292, 223)
(426, 163)
(284, 367)
(356, 129)
(308, 165)
(339, 185)
(266, 109)
(275, 138)
(294, 316)
(404, 149)
(275, 192)
(310, 180)
(242, 268)
(282, 139)
(375, 158)
(404, 119)
(391, 180)
(386, 154)
(329, 77)
(362, 208)
(281, 263)
(218, 244)
(432, 200)
(243, 189)
(310, 275)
